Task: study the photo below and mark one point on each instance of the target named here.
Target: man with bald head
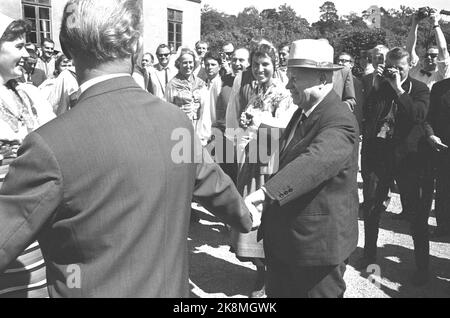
(240, 61)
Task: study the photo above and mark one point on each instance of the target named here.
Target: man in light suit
(101, 187)
(310, 215)
(344, 86)
(162, 73)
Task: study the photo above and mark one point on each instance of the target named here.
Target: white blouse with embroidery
(22, 112)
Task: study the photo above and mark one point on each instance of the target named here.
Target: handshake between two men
(256, 203)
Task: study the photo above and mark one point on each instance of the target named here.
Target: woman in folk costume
(271, 104)
(22, 110)
(189, 93)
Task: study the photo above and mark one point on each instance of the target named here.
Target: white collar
(326, 90)
(99, 79)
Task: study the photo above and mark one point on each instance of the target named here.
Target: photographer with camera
(397, 107)
(435, 65)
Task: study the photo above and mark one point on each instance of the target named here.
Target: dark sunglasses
(431, 55)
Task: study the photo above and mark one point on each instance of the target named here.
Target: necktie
(300, 121)
(167, 76)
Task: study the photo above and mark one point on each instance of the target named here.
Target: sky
(309, 9)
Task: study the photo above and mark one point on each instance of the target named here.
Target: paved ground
(216, 273)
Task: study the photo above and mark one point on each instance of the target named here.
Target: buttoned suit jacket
(106, 189)
(314, 219)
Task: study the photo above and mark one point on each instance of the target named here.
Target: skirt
(246, 246)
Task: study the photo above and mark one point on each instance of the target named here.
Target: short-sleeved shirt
(442, 72)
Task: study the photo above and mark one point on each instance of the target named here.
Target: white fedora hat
(5, 21)
(314, 54)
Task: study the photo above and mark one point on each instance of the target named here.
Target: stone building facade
(173, 22)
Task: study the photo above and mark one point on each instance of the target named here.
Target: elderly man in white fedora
(310, 206)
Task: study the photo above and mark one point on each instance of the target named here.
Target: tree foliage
(346, 33)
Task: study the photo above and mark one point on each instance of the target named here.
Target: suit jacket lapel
(306, 126)
(290, 126)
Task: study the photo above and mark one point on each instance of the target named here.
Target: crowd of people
(88, 136)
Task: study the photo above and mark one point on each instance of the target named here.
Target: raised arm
(411, 41)
(440, 37)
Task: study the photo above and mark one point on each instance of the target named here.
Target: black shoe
(420, 278)
(363, 263)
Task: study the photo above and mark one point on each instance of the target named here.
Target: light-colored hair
(398, 53)
(184, 51)
(200, 43)
(379, 48)
(352, 60)
(151, 56)
(101, 31)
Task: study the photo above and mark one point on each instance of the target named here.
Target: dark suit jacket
(366, 83)
(101, 188)
(314, 221)
(438, 120)
(344, 87)
(409, 118)
(359, 93)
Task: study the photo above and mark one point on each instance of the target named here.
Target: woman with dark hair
(268, 103)
(22, 110)
(189, 93)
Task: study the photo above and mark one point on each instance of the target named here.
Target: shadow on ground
(214, 271)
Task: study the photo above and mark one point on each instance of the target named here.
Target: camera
(424, 13)
(389, 73)
(379, 59)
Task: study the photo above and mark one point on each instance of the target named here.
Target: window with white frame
(175, 27)
(38, 12)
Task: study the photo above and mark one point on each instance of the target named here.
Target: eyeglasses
(431, 55)
(164, 55)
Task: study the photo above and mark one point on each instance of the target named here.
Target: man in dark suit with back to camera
(99, 186)
(437, 129)
(310, 215)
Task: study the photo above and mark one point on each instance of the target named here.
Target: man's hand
(437, 144)
(395, 81)
(378, 75)
(255, 203)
